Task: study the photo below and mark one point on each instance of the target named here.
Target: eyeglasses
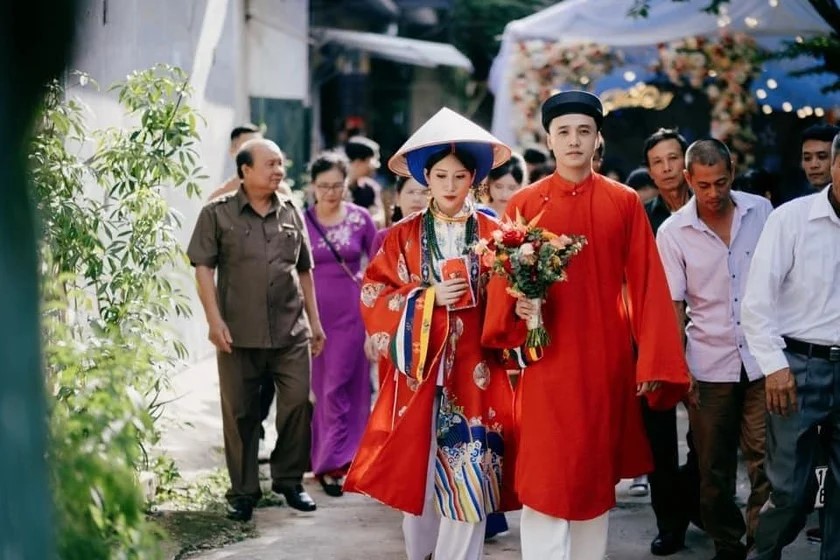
(329, 186)
(416, 192)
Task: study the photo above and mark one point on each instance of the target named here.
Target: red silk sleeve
(660, 352)
(399, 312)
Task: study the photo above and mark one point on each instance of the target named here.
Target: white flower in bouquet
(527, 254)
(561, 241)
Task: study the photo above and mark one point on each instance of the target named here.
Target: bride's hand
(370, 349)
(450, 291)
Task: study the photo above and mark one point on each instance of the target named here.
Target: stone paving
(357, 528)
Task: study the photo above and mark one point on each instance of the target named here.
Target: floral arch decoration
(540, 67)
(723, 68)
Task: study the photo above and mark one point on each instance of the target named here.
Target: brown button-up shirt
(258, 260)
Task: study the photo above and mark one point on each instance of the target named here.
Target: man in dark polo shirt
(664, 157)
(263, 320)
(674, 490)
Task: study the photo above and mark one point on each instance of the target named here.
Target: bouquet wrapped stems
(537, 336)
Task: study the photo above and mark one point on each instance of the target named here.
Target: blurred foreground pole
(35, 41)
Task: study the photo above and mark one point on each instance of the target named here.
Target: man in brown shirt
(238, 136)
(263, 320)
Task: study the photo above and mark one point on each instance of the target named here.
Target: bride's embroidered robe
(433, 352)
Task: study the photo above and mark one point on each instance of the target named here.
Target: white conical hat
(447, 127)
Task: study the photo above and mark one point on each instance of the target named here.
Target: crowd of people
(691, 289)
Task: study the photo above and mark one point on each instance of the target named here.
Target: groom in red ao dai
(579, 426)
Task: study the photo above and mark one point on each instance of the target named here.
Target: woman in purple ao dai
(341, 235)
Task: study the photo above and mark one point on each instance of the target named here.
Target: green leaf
(110, 260)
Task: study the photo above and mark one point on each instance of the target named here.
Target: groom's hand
(647, 387)
(525, 309)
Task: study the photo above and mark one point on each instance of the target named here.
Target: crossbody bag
(338, 258)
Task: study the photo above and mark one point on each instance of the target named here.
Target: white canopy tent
(607, 22)
(399, 49)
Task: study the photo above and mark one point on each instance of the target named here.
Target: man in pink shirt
(706, 248)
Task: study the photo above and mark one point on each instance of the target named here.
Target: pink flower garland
(723, 68)
(541, 66)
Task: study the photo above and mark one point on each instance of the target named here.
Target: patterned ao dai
(434, 352)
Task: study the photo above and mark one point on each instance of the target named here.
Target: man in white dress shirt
(791, 317)
(706, 247)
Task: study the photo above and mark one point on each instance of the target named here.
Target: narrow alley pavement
(354, 527)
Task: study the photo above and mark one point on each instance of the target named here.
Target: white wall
(204, 38)
(278, 49)
(228, 61)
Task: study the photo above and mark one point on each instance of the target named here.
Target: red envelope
(458, 267)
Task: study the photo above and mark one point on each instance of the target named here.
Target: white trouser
(429, 532)
(552, 538)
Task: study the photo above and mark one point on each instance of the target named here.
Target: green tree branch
(109, 253)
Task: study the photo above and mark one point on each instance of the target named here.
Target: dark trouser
(496, 523)
(671, 487)
(792, 443)
(729, 414)
(266, 400)
(240, 376)
(822, 461)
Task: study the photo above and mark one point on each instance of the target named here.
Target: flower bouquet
(530, 258)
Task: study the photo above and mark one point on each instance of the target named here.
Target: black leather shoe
(295, 497)
(814, 534)
(240, 512)
(666, 544)
(331, 486)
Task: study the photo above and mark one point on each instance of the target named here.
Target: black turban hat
(572, 102)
